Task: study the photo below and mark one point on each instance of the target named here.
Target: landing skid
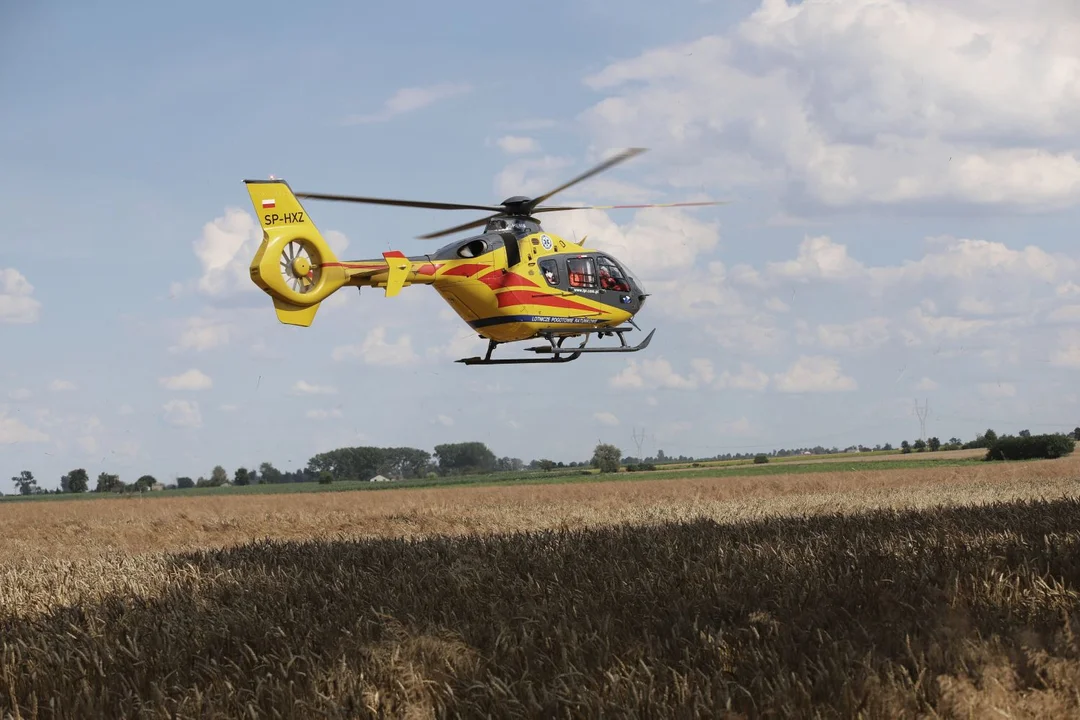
(559, 353)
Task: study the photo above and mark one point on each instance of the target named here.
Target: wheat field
(914, 592)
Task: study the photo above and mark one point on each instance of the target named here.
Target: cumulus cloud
(812, 374)
(893, 102)
(303, 387)
(60, 385)
(191, 380)
(17, 303)
(202, 333)
(410, 99)
(224, 250)
(14, 431)
(377, 350)
(182, 413)
(517, 145)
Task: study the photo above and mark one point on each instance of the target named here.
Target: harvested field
(948, 591)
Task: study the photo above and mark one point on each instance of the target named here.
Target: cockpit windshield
(611, 275)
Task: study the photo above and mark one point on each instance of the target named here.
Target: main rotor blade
(458, 228)
(400, 203)
(624, 207)
(610, 162)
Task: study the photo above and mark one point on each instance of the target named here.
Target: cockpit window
(582, 272)
(550, 270)
(611, 277)
(473, 249)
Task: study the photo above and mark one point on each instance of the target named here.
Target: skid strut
(558, 353)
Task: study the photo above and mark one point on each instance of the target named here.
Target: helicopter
(512, 282)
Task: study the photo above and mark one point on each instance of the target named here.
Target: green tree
(905, 447)
(919, 445)
(218, 476)
(464, 458)
(606, 457)
(268, 473)
(145, 483)
(546, 465)
(184, 482)
(934, 443)
(107, 482)
(26, 482)
(241, 476)
(76, 481)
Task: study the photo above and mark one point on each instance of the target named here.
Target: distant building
(379, 478)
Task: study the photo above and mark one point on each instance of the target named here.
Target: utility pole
(638, 441)
(922, 413)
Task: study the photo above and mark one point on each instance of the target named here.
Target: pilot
(549, 275)
(608, 281)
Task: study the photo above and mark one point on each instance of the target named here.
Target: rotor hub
(301, 266)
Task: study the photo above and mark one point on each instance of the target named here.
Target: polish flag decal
(268, 203)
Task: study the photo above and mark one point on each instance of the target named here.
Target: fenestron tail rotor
(298, 269)
(519, 207)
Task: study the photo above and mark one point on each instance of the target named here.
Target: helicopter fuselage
(515, 286)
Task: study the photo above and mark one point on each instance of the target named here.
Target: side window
(582, 272)
(550, 270)
(611, 277)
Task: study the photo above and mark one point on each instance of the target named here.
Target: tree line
(366, 463)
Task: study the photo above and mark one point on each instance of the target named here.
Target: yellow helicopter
(512, 282)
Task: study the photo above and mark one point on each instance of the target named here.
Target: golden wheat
(948, 591)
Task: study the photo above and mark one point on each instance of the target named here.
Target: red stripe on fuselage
(519, 297)
(428, 268)
(466, 270)
(498, 279)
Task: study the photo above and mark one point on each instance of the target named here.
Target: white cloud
(868, 101)
(819, 259)
(926, 384)
(1065, 313)
(202, 333)
(654, 373)
(17, 304)
(411, 99)
(517, 145)
(606, 418)
(748, 378)
(19, 394)
(865, 334)
(182, 413)
(445, 420)
(225, 249)
(814, 374)
(375, 350)
(1068, 350)
(324, 414)
(14, 431)
(191, 380)
(303, 387)
(61, 385)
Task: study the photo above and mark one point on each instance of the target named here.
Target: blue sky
(904, 176)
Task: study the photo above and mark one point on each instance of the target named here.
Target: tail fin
(294, 264)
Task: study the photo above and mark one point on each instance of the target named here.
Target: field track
(948, 591)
